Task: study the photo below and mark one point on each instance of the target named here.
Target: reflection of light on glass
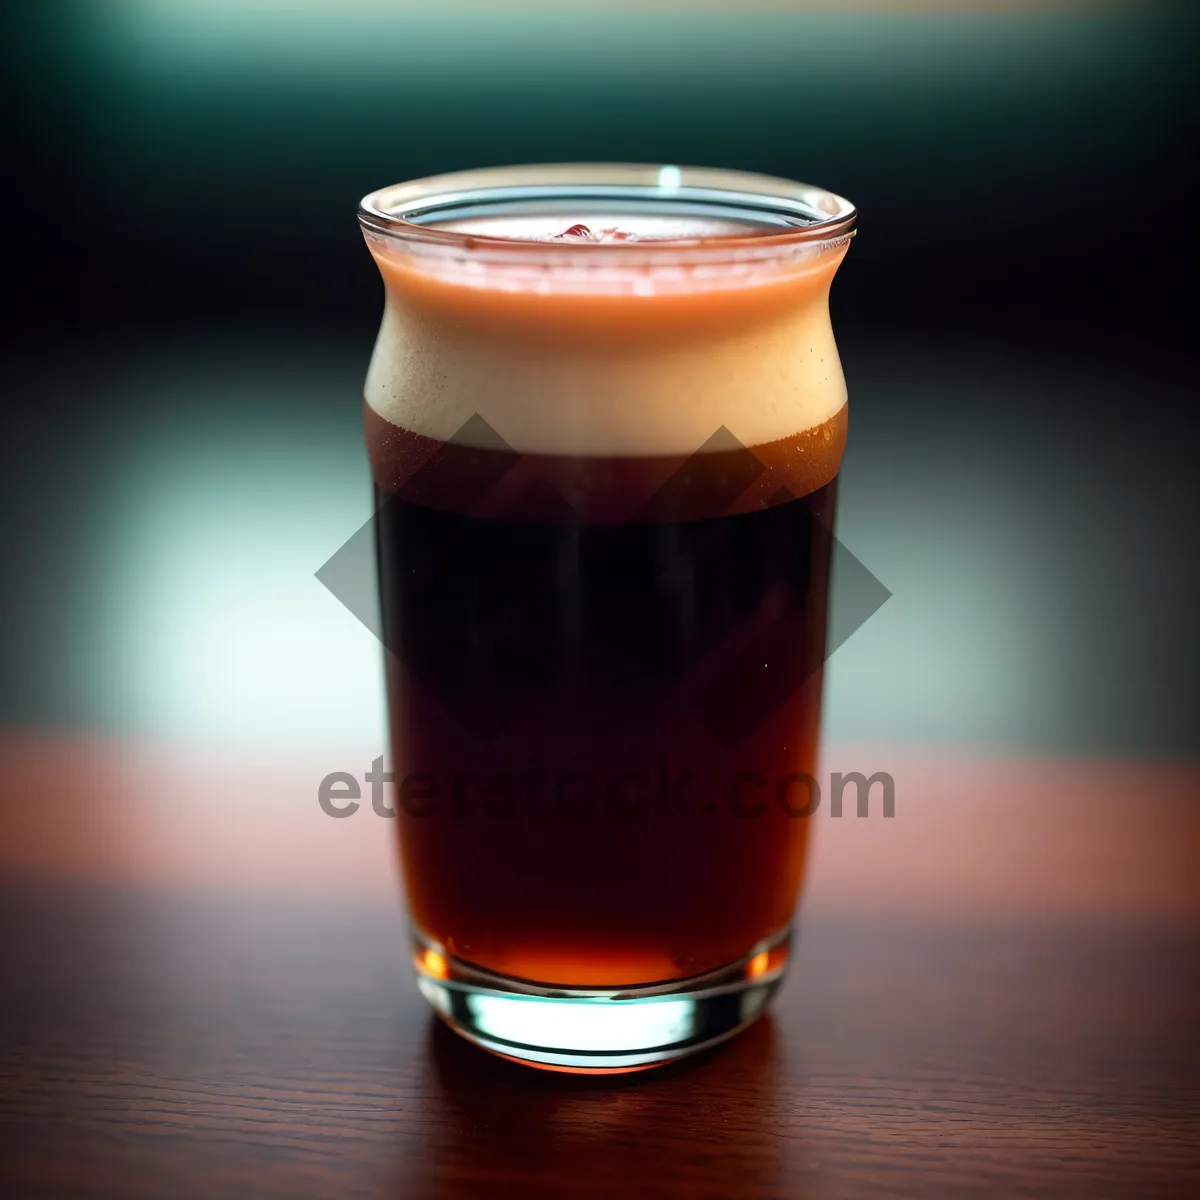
(669, 177)
(584, 1024)
(437, 995)
(752, 1002)
(433, 963)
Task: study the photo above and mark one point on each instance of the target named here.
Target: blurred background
(997, 991)
(189, 312)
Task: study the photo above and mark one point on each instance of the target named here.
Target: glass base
(593, 1031)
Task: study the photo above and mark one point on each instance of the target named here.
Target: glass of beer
(605, 415)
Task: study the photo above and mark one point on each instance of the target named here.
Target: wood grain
(232, 1033)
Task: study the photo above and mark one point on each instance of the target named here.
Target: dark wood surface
(205, 993)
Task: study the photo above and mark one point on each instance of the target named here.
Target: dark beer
(605, 428)
(591, 719)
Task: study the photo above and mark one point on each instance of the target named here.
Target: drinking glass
(605, 415)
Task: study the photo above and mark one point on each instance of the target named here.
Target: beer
(605, 443)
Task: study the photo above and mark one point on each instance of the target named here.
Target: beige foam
(651, 367)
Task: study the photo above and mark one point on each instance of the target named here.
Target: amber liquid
(596, 728)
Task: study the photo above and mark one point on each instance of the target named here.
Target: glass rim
(822, 219)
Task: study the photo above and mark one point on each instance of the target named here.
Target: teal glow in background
(194, 311)
(223, 137)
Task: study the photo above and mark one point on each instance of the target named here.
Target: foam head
(675, 311)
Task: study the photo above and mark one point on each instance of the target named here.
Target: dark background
(190, 311)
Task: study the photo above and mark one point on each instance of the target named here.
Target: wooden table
(205, 993)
